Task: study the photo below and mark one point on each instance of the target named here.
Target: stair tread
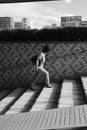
(3, 93)
(71, 96)
(46, 99)
(6, 102)
(84, 81)
(22, 101)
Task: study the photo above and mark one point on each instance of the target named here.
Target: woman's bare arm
(37, 64)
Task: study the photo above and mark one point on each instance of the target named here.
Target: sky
(46, 12)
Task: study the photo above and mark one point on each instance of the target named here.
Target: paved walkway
(70, 117)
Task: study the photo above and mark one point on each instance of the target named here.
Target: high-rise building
(6, 23)
(71, 21)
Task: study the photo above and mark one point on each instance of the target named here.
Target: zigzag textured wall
(65, 60)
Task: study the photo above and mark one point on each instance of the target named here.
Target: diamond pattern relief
(6, 62)
(7, 75)
(64, 60)
(15, 55)
(2, 83)
(16, 70)
(6, 49)
(2, 55)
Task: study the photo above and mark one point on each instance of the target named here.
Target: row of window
(63, 19)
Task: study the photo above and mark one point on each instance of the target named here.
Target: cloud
(40, 14)
(67, 14)
(39, 21)
(68, 1)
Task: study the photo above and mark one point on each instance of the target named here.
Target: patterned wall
(65, 60)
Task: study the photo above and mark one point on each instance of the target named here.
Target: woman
(40, 65)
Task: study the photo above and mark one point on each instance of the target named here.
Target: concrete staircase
(61, 107)
(62, 94)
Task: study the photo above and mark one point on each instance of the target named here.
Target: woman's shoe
(31, 88)
(48, 85)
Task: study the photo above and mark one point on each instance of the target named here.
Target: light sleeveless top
(41, 59)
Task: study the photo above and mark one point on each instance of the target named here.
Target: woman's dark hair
(45, 49)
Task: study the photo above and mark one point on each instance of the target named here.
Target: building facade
(83, 24)
(24, 23)
(21, 24)
(17, 25)
(71, 21)
(6, 23)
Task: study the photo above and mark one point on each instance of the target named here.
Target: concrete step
(21, 102)
(25, 102)
(48, 98)
(4, 93)
(84, 82)
(71, 94)
(10, 99)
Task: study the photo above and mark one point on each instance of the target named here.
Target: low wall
(65, 60)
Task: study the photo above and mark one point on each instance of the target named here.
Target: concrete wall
(65, 60)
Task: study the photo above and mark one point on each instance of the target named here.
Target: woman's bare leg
(42, 70)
